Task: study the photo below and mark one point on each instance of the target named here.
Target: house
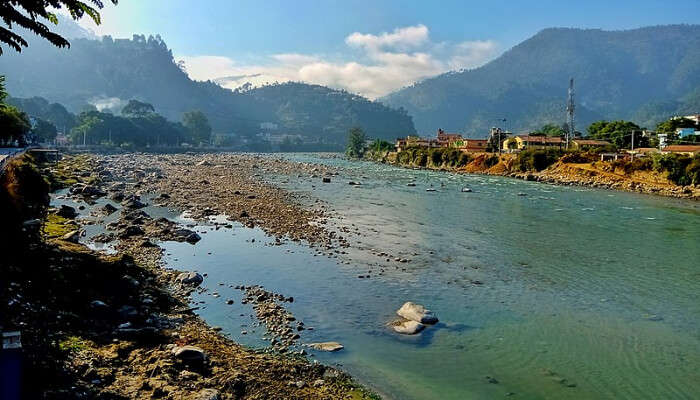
(446, 139)
(687, 149)
(693, 117)
(521, 142)
(643, 151)
(415, 141)
(581, 144)
(685, 132)
(471, 145)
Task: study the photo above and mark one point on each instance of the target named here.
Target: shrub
(536, 159)
(678, 166)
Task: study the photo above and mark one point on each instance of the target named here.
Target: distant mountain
(643, 74)
(106, 73)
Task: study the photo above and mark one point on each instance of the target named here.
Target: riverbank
(565, 171)
(120, 326)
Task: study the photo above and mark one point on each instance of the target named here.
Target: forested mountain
(109, 72)
(643, 74)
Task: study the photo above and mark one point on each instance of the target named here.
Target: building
(415, 141)
(446, 139)
(687, 149)
(583, 144)
(693, 117)
(471, 145)
(520, 142)
(685, 132)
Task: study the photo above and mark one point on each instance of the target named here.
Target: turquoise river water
(542, 291)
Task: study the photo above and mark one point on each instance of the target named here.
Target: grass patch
(57, 226)
(73, 344)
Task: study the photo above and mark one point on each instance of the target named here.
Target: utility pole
(570, 112)
(632, 142)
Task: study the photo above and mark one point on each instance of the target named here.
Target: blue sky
(395, 42)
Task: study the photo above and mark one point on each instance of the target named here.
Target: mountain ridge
(617, 74)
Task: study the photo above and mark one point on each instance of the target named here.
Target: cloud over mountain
(378, 65)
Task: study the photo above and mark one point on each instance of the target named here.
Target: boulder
(326, 179)
(416, 312)
(407, 327)
(72, 236)
(129, 231)
(108, 209)
(67, 212)
(327, 346)
(190, 278)
(193, 238)
(466, 190)
(208, 394)
(190, 354)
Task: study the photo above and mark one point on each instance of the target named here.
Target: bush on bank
(680, 169)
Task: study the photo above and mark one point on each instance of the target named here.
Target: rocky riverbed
(140, 338)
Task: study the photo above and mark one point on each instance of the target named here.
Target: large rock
(190, 278)
(416, 312)
(129, 231)
(327, 346)
(190, 354)
(72, 236)
(407, 327)
(208, 394)
(67, 212)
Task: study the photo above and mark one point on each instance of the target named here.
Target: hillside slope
(642, 74)
(109, 72)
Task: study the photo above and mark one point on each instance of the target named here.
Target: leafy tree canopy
(356, 143)
(136, 108)
(550, 130)
(15, 125)
(44, 130)
(671, 124)
(33, 15)
(618, 132)
(197, 125)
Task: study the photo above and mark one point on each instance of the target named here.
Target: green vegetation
(15, 123)
(197, 125)
(536, 159)
(618, 133)
(110, 71)
(378, 150)
(644, 75)
(30, 15)
(356, 143)
(550, 130)
(440, 157)
(680, 169)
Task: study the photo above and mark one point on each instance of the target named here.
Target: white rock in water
(407, 327)
(416, 312)
(190, 278)
(327, 346)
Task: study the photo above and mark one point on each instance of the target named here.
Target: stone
(408, 327)
(466, 190)
(326, 180)
(327, 346)
(67, 212)
(72, 236)
(190, 278)
(193, 238)
(191, 354)
(416, 312)
(108, 209)
(208, 394)
(319, 382)
(129, 231)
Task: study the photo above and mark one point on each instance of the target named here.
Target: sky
(367, 47)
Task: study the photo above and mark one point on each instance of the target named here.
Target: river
(542, 291)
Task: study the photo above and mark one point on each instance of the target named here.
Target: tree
(550, 130)
(671, 124)
(15, 125)
(44, 130)
(136, 108)
(356, 143)
(197, 125)
(29, 14)
(618, 132)
(3, 92)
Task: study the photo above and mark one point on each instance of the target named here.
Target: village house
(687, 149)
(583, 144)
(415, 141)
(446, 139)
(471, 145)
(520, 142)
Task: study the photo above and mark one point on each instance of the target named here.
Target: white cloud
(387, 62)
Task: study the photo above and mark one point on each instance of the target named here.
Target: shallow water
(555, 292)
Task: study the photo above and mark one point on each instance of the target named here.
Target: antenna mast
(570, 113)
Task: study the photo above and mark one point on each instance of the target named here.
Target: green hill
(643, 74)
(108, 72)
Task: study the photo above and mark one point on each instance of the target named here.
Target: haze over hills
(643, 74)
(108, 72)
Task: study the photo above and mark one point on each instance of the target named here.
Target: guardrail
(9, 156)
